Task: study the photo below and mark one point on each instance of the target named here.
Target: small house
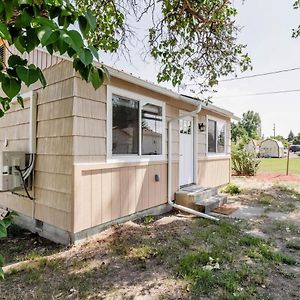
(101, 157)
(271, 148)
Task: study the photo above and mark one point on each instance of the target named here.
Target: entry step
(200, 198)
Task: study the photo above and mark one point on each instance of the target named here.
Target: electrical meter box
(10, 177)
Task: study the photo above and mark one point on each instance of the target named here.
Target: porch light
(201, 127)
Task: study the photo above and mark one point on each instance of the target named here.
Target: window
(185, 126)
(137, 125)
(125, 126)
(216, 136)
(151, 129)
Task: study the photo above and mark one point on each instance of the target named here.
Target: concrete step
(199, 198)
(207, 205)
(198, 193)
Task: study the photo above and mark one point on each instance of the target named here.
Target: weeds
(231, 189)
(295, 245)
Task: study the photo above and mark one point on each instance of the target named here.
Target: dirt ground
(173, 256)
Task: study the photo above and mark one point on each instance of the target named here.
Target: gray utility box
(10, 178)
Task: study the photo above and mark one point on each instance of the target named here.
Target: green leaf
(23, 20)
(76, 41)
(9, 9)
(1, 113)
(15, 60)
(20, 101)
(83, 25)
(47, 36)
(1, 260)
(4, 33)
(19, 43)
(11, 87)
(91, 19)
(3, 230)
(86, 56)
(96, 77)
(42, 77)
(27, 75)
(94, 51)
(45, 22)
(1, 7)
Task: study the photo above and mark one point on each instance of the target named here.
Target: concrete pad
(247, 212)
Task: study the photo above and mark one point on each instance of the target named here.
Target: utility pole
(274, 130)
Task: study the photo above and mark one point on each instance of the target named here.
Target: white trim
(184, 114)
(195, 153)
(151, 86)
(209, 117)
(110, 158)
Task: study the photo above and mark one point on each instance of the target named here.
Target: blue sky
(266, 29)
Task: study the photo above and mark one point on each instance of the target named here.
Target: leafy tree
(252, 123)
(281, 139)
(296, 140)
(238, 132)
(190, 37)
(27, 24)
(247, 128)
(291, 136)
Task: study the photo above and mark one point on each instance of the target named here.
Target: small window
(151, 129)
(137, 127)
(125, 126)
(185, 126)
(216, 136)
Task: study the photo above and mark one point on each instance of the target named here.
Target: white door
(186, 165)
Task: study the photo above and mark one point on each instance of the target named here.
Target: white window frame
(111, 90)
(208, 117)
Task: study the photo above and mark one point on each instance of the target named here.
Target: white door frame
(195, 147)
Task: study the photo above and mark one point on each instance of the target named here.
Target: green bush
(231, 189)
(244, 163)
(4, 224)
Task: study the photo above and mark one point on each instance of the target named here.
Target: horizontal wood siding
(53, 182)
(102, 195)
(38, 57)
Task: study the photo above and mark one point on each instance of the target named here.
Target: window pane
(211, 136)
(125, 126)
(151, 130)
(221, 137)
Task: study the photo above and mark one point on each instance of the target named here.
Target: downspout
(170, 202)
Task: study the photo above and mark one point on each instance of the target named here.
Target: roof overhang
(156, 88)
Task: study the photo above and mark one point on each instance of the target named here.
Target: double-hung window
(216, 136)
(137, 126)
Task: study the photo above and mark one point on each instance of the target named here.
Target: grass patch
(266, 200)
(231, 189)
(285, 227)
(148, 220)
(295, 245)
(143, 252)
(278, 165)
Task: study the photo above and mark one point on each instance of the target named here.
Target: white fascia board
(153, 87)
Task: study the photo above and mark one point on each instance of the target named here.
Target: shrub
(231, 189)
(244, 163)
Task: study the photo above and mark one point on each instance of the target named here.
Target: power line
(261, 74)
(261, 94)
(254, 75)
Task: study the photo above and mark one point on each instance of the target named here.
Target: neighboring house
(271, 148)
(101, 155)
(253, 146)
